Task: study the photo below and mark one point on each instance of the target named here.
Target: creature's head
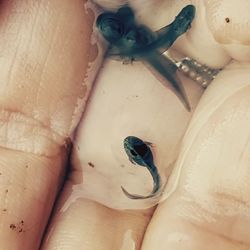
(136, 149)
(188, 12)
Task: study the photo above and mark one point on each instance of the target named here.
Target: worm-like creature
(140, 153)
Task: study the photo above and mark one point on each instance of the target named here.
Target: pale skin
(45, 49)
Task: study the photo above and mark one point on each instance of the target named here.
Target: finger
(92, 226)
(45, 50)
(127, 100)
(200, 219)
(208, 195)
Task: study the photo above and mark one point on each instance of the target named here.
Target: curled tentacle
(111, 27)
(157, 185)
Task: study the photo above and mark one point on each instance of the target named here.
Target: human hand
(45, 50)
(143, 108)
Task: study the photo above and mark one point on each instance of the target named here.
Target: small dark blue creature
(140, 153)
(128, 40)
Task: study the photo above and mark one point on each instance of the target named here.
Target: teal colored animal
(139, 153)
(131, 41)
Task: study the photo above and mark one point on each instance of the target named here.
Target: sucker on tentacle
(140, 153)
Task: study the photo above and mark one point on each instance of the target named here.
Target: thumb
(208, 194)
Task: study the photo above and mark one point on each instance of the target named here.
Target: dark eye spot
(141, 149)
(133, 152)
(227, 19)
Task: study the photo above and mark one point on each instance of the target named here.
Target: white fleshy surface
(146, 116)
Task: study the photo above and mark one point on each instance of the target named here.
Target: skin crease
(40, 52)
(37, 59)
